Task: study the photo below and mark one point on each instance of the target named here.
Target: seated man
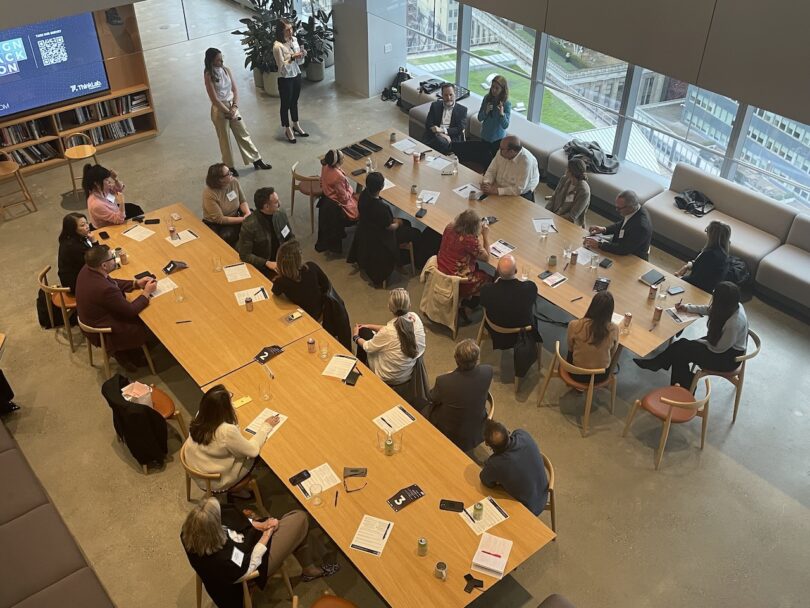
(513, 171)
(459, 398)
(516, 465)
(263, 232)
(631, 235)
(101, 302)
(509, 302)
(446, 121)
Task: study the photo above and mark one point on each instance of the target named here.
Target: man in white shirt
(446, 121)
(513, 171)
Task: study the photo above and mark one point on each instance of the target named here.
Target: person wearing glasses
(223, 203)
(289, 56)
(632, 234)
(101, 302)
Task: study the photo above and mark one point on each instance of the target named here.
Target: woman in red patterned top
(461, 249)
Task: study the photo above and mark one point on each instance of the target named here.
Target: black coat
(141, 428)
(459, 405)
(633, 239)
(708, 269)
(596, 159)
(509, 303)
(374, 247)
(458, 121)
(336, 317)
(71, 260)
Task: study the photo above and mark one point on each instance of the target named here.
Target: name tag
(237, 557)
(111, 198)
(285, 231)
(621, 234)
(231, 195)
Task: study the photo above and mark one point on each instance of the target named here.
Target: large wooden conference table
(330, 422)
(515, 226)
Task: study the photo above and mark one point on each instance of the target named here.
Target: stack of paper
(236, 272)
(164, 286)
(500, 248)
(464, 191)
(493, 515)
(254, 426)
(395, 419)
(544, 221)
(388, 184)
(340, 366)
(406, 145)
(492, 555)
(681, 317)
(185, 237)
(438, 163)
(555, 279)
(257, 293)
(323, 475)
(429, 197)
(138, 233)
(584, 256)
(371, 535)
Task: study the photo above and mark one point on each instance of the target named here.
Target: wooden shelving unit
(109, 119)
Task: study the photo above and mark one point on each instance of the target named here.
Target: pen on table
(467, 513)
(388, 527)
(386, 422)
(193, 234)
(577, 298)
(232, 265)
(679, 303)
(336, 497)
(185, 321)
(566, 266)
(492, 554)
(407, 413)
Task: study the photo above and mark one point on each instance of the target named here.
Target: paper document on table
(438, 163)
(138, 233)
(339, 367)
(555, 280)
(681, 317)
(406, 145)
(584, 256)
(388, 184)
(372, 534)
(539, 222)
(185, 237)
(322, 475)
(617, 318)
(492, 555)
(164, 286)
(493, 515)
(429, 197)
(395, 419)
(500, 248)
(254, 426)
(464, 191)
(257, 293)
(236, 272)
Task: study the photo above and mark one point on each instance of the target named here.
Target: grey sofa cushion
(799, 235)
(787, 272)
(20, 491)
(78, 590)
(736, 201)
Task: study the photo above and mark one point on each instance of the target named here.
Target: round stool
(9, 168)
(79, 152)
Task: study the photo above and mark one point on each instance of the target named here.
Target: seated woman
(303, 284)
(105, 205)
(391, 350)
(494, 115)
(594, 339)
(216, 445)
(224, 205)
(709, 267)
(459, 254)
(726, 339)
(338, 205)
(572, 197)
(224, 546)
(74, 240)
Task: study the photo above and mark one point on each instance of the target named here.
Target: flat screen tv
(47, 63)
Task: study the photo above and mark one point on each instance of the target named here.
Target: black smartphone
(483, 196)
(299, 477)
(606, 263)
(353, 376)
(675, 290)
(104, 235)
(456, 506)
(152, 221)
(491, 219)
(138, 218)
(545, 274)
(421, 213)
(357, 172)
(144, 274)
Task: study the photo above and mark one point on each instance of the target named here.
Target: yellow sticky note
(241, 401)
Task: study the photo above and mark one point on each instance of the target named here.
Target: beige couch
(758, 224)
(785, 272)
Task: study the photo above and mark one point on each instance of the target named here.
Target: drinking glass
(543, 232)
(323, 349)
(381, 437)
(567, 251)
(216, 263)
(179, 294)
(264, 390)
(399, 441)
(525, 273)
(315, 491)
(594, 261)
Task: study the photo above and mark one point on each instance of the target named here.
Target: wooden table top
(515, 226)
(2, 343)
(222, 336)
(332, 422)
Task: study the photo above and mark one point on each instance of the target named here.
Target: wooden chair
(10, 168)
(247, 589)
(562, 369)
(307, 185)
(79, 152)
(490, 406)
(332, 601)
(736, 377)
(672, 404)
(249, 483)
(434, 268)
(101, 332)
(164, 405)
(551, 505)
(58, 296)
(409, 248)
(482, 334)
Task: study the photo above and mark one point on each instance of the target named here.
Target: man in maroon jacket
(101, 302)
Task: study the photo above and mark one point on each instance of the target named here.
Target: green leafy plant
(258, 36)
(317, 36)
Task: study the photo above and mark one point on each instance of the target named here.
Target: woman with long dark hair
(593, 339)
(289, 56)
(74, 240)
(102, 188)
(338, 206)
(725, 340)
(711, 264)
(216, 445)
(494, 116)
(224, 96)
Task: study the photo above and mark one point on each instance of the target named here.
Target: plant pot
(270, 81)
(330, 58)
(257, 78)
(315, 72)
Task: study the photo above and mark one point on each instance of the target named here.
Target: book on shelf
(32, 155)
(22, 132)
(112, 131)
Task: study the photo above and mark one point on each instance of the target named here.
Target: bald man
(513, 171)
(509, 302)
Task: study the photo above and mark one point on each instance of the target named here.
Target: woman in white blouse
(289, 56)
(216, 445)
(392, 349)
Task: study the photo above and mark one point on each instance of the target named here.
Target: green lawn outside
(448, 57)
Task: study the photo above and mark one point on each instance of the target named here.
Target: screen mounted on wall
(50, 62)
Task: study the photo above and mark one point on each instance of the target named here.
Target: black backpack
(694, 202)
(737, 272)
(42, 314)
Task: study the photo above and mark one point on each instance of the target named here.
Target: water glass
(525, 273)
(216, 263)
(399, 441)
(567, 251)
(419, 203)
(179, 294)
(543, 232)
(323, 349)
(594, 261)
(381, 437)
(315, 491)
(264, 390)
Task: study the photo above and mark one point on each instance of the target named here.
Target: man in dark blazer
(459, 398)
(446, 121)
(509, 302)
(632, 234)
(101, 302)
(264, 232)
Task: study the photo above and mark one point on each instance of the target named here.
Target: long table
(332, 422)
(221, 335)
(515, 226)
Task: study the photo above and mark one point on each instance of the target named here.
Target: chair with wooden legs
(308, 185)
(247, 588)
(78, 152)
(482, 334)
(490, 405)
(332, 601)
(164, 405)
(248, 483)
(409, 248)
(672, 404)
(10, 168)
(426, 303)
(562, 369)
(101, 332)
(736, 376)
(58, 296)
(551, 504)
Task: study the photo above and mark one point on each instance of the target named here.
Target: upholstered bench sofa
(784, 273)
(41, 566)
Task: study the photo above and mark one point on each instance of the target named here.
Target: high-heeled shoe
(289, 136)
(260, 164)
(300, 131)
(234, 172)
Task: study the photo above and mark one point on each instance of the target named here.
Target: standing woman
(74, 240)
(225, 114)
(289, 56)
(339, 207)
(711, 264)
(572, 197)
(593, 339)
(494, 116)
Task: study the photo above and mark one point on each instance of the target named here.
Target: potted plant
(316, 36)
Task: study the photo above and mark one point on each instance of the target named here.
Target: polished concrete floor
(724, 527)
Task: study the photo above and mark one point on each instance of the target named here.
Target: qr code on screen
(52, 50)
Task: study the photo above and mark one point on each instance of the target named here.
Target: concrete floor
(727, 526)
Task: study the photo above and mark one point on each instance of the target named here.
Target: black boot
(234, 172)
(260, 164)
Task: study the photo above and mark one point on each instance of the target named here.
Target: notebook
(492, 555)
(653, 277)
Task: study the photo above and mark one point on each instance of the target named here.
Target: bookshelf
(125, 115)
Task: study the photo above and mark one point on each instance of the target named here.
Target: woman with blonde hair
(302, 283)
(461, 249)
(709, 267)
(391, 350)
